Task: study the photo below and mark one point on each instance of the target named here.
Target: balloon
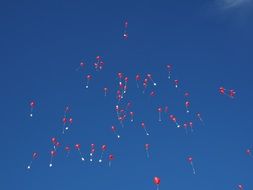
(34, 156)
(144, 127)
(105, 91)
(111, 157)
(137, 79)
(187, 105)
(159, 109)
(147, 150)
(78, 147)
(115, 132)
(53, 154)
(169, 68)
(125, 34)
(67, 149)
(103, 148)
(190, 160)
(150, 78)
(156, 180)
(32, 105)
(88, 78)
(131, 116)
(176, 83)
(200, 118)
(54, 141)
(240, 187)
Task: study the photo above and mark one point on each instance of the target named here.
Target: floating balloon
(240, 187)
(67, 149)
(34, 156)
(152, 93)
(105, 91)
(111, 158)
(147, 150)
(191, 126)
(190, 160)
(187, 106)
(185, 128)
(232, 93)
(64, 121)
(54, 141)
(81, 66)
(150, 78)
(222, 90)
(166, 109)
(88, 78)
(115, 132)
(103, 148)
(120, 76)
(176, 82)
(52, 155)
(144, 127)
(121, 119)
(169, 68)
(32, 105)
(186, 95)
(144, 87)
(157, 182)
(131, 116)
(137, 79)
(200, 118)
(174, 119)
(249, 153)
(78, 147)
(159, 114)
(125, 34)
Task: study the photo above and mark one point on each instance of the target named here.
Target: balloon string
(80, 154)
(193, 169)
(30, 165)
(101, 156)
(51, 161)
(186, 131)
(146, 131)
(147, 152)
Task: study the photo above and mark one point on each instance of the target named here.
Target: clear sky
(209, 44)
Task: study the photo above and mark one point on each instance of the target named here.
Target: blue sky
(209, 44)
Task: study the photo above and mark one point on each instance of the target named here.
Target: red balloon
(32, 104)
(156, 180)
(103, 147)
(67, 148)
(77, 146)
(53, 140)
(64, 120)
(189, 159)
(111, 157)
(53, 153)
